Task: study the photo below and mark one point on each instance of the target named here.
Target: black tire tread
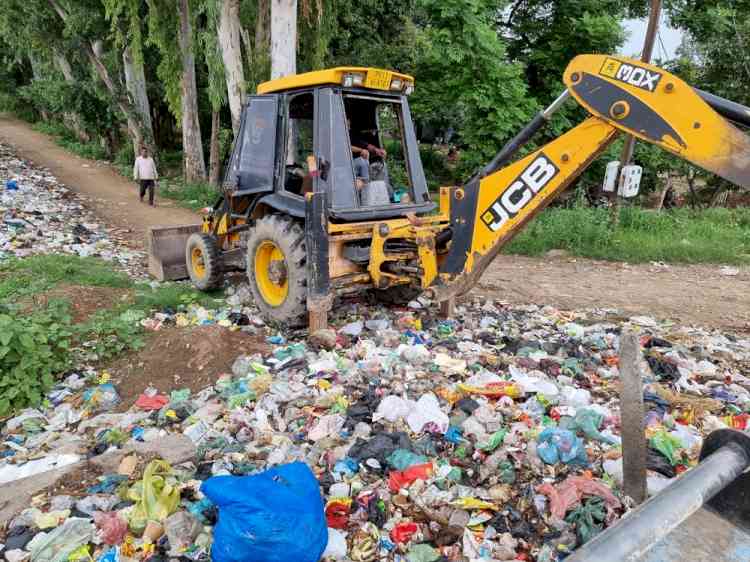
(212, 259)
(290, 237)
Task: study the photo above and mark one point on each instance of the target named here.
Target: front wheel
(277, 269)
(203, 262)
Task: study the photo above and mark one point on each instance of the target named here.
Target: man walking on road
(144, 172)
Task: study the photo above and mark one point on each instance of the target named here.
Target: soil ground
(175, 358)
(688, 294)
(85, 300)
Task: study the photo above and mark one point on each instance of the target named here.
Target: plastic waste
(561, 445)
(667, 444)
(181, 529)
(102, 397)
(427, 411)
(112, 527)
(401, 459)
(336, 547)
(61, 542)
(397, 479)
(156, 495)
(11, 472)
(403, 532)
(273, 516)
(569, 492)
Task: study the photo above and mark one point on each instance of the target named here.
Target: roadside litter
(400, 436)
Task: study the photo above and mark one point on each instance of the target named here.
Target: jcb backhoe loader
(294, 210)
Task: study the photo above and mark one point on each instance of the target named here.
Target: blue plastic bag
(560, 445)
(273, 516)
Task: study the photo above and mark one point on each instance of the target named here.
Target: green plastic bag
(422, 553)
(667, 445)
(495, 440)
(588, 519)
(401, 459)
(507, 472)
(156, 497)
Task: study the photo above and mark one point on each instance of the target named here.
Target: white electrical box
(630, 181)
(610, 176)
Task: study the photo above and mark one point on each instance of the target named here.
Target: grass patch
(194, 196)
(66, 139)
(679, 236)
(36, 274)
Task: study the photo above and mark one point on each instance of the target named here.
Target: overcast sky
(666, 43)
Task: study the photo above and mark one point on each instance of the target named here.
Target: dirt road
(687, 294)
(114, 197)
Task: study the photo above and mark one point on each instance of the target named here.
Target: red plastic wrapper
(112, 527)
(397, 479)
(403, 532)
(337, 514)
(569, 493)
(156, 402)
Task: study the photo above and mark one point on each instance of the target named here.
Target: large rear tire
(203, 262)
(277, 269)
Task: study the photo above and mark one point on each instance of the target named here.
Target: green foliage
(465, 78)
(36, 274)
(40, 342)
(679, 236)
(66, 138)
(191, 195)
(34, 347)
(108, 333)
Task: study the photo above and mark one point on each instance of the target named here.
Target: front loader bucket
(166, 251)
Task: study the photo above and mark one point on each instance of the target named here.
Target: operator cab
(346, 131)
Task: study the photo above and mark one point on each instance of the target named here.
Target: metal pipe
(727, 108)
(515, 144)
(642, 528)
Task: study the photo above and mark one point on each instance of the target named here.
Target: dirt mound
(84, 300)
(175, 358)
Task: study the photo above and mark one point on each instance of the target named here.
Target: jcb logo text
(531, 181)
(631, 74)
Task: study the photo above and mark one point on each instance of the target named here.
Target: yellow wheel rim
(271, 273)
(198, 263)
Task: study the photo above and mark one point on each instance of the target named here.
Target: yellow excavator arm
(621, 95)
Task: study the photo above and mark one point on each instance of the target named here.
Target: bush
(33, 349)
(192, 195)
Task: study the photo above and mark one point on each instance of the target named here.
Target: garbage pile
(41, 216)
(394, 435)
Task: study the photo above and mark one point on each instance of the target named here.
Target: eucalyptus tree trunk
(214, 164)
(283, 38)
(231, 54)
(95, 53)
(135, 81)
(192, 145)
(71, 118)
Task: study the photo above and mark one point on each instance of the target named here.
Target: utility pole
(627, 150)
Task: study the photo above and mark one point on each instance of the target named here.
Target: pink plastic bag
(569, 493)
(112, 527)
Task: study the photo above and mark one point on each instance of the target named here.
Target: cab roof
(371, 78)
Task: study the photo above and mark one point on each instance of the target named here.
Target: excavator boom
(622, 96)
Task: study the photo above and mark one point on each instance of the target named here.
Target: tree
(465, 78)
(229, 36)
(283, 38)
(126, 17)
(192, 145)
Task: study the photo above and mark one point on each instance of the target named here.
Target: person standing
(144, 172)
